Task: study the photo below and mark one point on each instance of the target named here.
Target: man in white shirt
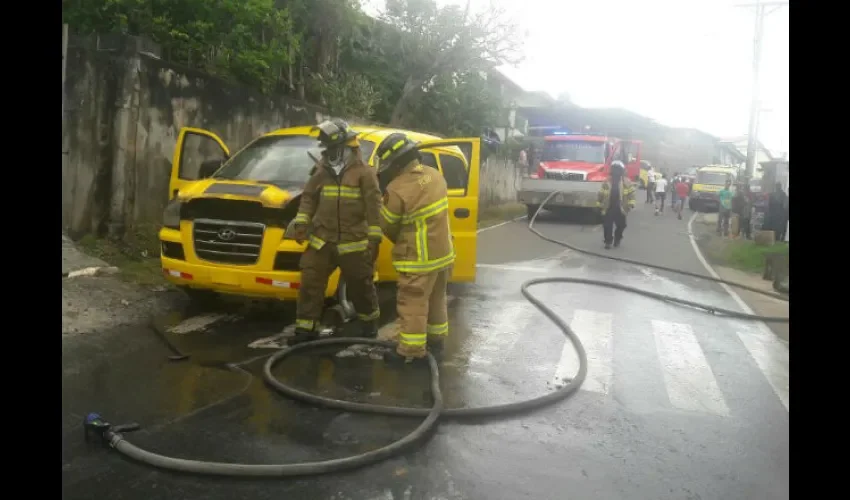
(660, 193)
(650, 185)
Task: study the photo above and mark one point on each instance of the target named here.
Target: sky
(684, 63)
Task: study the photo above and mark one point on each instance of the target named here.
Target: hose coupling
(95, 426)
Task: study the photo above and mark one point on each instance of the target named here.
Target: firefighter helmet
(391, 149)
(617, 168)
(335, 132)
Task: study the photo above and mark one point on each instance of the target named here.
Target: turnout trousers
(317, 266)
(422, 311)
(613, 225)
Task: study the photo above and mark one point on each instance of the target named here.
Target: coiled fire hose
(113, 435)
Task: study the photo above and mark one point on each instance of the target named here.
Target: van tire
(201, 298)
(693, 206)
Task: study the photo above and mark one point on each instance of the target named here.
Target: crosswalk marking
(595, 330)
(687, 375)
(771, 356)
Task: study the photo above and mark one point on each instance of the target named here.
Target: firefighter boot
(436, 344)
(395, 359)
(302, 335)
(368, 329)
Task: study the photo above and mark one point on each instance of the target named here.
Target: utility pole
(752, 133)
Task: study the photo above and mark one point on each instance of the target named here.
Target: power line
(752, 134)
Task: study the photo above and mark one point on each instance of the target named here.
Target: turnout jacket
(416, 218)
(344, 210)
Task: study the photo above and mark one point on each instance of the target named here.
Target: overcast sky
(685, 63)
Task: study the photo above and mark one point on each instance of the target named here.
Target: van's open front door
(197, 154)
(463, 206)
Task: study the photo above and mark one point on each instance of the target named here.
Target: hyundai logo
(226, 234)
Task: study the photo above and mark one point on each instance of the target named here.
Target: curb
(761, 325)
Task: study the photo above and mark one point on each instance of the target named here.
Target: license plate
(224, 278)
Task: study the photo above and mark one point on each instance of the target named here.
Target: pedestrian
(340, 217)
(660, 193)
(747, 212)
(742, 207)
(615, 200)
(681, 189)
(777, 212)
(416, 220)
(725, 209)
(523, 160)
(650, 185)
(674, 195)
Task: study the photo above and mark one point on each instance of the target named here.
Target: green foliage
(248, 40)
(347, 94)
(420, 65)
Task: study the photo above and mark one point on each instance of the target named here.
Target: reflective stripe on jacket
(345, 210)
(627, 196)
(416, 219)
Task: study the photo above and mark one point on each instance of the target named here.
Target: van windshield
(280, 160)
(714, 178)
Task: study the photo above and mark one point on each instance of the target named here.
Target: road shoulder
(702, 226)
(97, 302)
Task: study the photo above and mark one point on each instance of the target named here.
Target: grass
(493, 215)
(136, 263)
(744, 255)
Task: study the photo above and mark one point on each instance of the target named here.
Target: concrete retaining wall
(499, 181)
(124, 108)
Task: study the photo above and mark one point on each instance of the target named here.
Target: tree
(439, 42)
(248, 40)
(457, 105)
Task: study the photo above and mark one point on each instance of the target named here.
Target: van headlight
(171, 215)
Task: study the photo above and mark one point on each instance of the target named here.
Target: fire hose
(113, 436)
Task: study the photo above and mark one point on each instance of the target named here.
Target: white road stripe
(196, 323)
(771, 356)
(687, 374)
(522, 269)
(481, 230)
(596, 332)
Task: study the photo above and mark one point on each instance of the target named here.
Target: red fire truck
(576, 165)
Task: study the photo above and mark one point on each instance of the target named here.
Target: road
(677, 404)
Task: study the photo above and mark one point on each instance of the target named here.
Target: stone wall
(499, 179)
(124, 109)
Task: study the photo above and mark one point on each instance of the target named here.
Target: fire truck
(576, 165)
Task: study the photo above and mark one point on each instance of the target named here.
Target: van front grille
(228, 242)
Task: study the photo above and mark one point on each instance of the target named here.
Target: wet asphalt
(678, 404)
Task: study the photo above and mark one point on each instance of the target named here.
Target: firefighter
(416, 220)
(615, 200)
(339, 216)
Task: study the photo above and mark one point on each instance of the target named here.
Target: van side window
(454, 171)
(429, 159)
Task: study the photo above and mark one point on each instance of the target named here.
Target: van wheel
(531, 210)
(692, 205)
(200, 298)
